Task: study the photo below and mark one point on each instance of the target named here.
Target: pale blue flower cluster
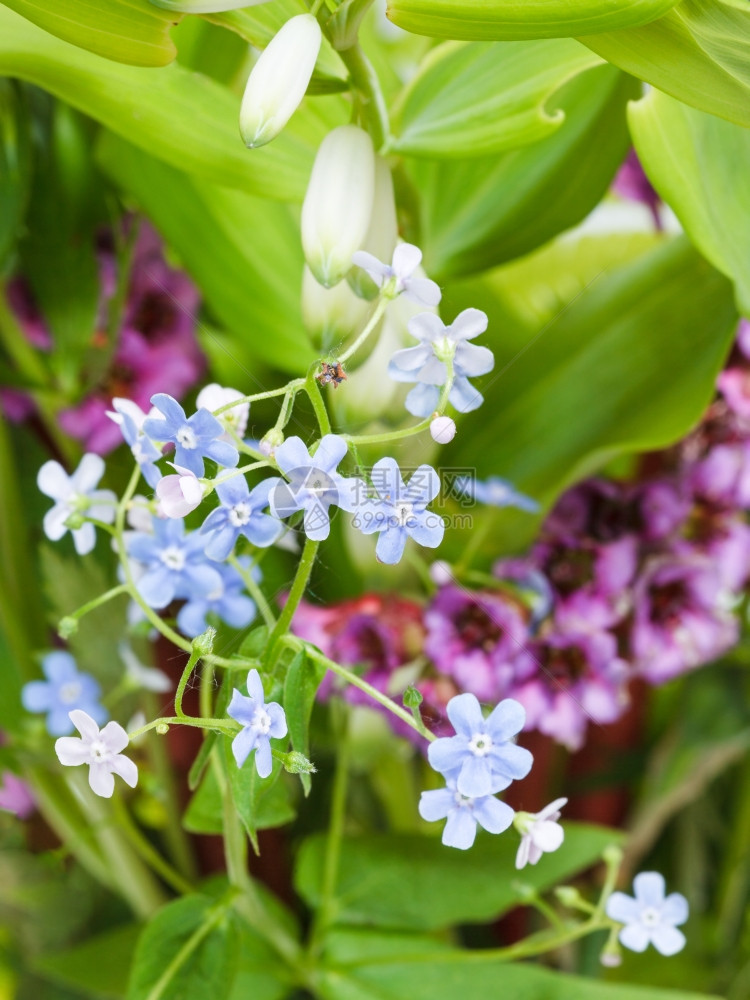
(64, 690)
(479, 761)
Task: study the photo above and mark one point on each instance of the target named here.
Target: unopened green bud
(162, 729)
(271, 441)
(279, 79)
(524, 891)
(203, 644)
(612, 855)
(412, 697)
(611, 954)
(75, 520)
(296, 763)
(338, 204)
(568, 895)
(67, 626)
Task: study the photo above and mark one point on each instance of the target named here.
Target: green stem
(255, 592)
(147, 853)
(182, 685)
(326, 911)
(295, 383)
(369, 327)
(313, 391)
(228, 726)
(230, 473)
(365, 83)
(304, 569)
(98, 601)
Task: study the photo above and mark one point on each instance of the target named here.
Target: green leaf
(415, 882)
(188, 951)
(15, 167)
(258, 25)
(249, 283)
(474, 99)
(261, 802)
(184, 118)
(344, 24)
(480, 213)
(487, 20)
(699, 53)
(128, 31)
(431, 971)
(700, 166)
(99, 966)
(629, 366)
(301, 683)
(204, 6)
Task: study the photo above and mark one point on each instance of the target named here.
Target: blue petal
(465, 715)
(37, 696)
(262, 530)
(198, 582)
(391, 544)
(471, 360)
(158, 429)
(221, 543)
(426, 327)
(510, 761)
(475, 777)
(243, 743)
(259, 493)
(468, 324)
(191, 618)
(464, 396)
(460, 830)
(329, 453)
(241, 708)
(59, 667)
(405, 364)
(255, 687)
(58, 723)
(278, 721)
(223, 453)
(156, 587)
(424, 485)
(205, 425)
(169, 407)
(371, 516)
(263, 757)
(189, 458)
(292, 454)
(386, 478)
(436, 805)
(233, 491)
(422, 400)
(493, 815)
(237, 610)
(317, 521)
(447, 754)
(427, 530)
(506, 720)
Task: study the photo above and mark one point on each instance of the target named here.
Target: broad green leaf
(433, 971)
(245, 255)
(99, 966)
(488, 20)
(415, 882)
(258, 25)
(15, 167)
(204, 6)
(480, 213)
(700, 165)
(301, 683)
(699, 52)
(629, 366)
(473, 99)
(181, 117)
(189, 949)
(128, 31)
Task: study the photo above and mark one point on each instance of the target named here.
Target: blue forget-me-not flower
(401, 512)
(195, 438)
(464, 813)
(482, 749)
(130, 418)
(313, 484)
(426, 364)
(173, 562)
(405, 261)
(240, 513)
(495, 492)
(64, 690)
(227, 601)
(260, 724)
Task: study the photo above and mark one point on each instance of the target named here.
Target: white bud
(331, 315)
(441, 573)
(443, 430)
(279, 79)
(338, 204)
(178, 495)
(382, 233)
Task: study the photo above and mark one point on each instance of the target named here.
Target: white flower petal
(54, 481)
(125, 767)
(101, 780)
(71, 751)
(90, 470)
(547, 835)
(84, 724)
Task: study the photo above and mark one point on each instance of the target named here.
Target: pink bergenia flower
(15, 795)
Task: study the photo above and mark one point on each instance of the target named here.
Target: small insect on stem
(331, 374)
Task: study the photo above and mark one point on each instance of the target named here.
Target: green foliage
(485, 20)
(474, 99)
(15, 166)
(477, 214)
(302, 680)
(128, 31)
(700, 166)
(699, 53)
(99, 966)
(244, 279)
(379, 967)
(415, 882)
(641, 346)
(184, 118)
(187, 951)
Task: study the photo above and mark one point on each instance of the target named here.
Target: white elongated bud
(338, 204)
(382, 233)
(331, 315)
(279, 79)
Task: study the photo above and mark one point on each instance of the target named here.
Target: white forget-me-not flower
(426, 363)
(464, 813)
(406, 260)
(313, 484)
(195, 438)
(260, 724)
(401, 512)
(101, 750)
(76, 495)
(540, 833)
(482, 749)
(650, 917)
(63, 690)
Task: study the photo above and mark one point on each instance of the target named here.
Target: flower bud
(441, 573)
(338, 204)
(443, 430)
(179, 494)
(382, 233)
(67, 627)
(331, 315)
(271, 441)
(203, 644)
(279, 79)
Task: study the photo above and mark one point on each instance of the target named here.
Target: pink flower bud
(179, 494)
